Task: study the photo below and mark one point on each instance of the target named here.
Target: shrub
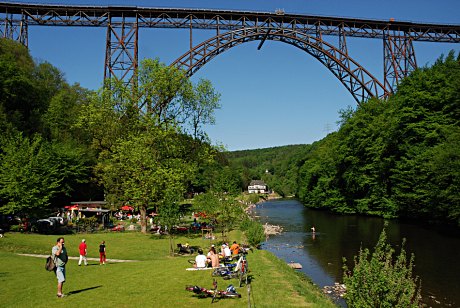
(381, 281)
(245, 224)
(15, 228)
(253, 198)
(87, 224)
(255, 233)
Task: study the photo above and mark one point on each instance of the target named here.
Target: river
(437, 254)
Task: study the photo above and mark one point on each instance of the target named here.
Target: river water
(437, 254)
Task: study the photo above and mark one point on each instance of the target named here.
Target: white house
(257, 187)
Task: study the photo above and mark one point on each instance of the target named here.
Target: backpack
(231, 289)
(50, 265)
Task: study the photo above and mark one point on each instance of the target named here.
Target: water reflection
(437, 256)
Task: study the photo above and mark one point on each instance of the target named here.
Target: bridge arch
(358, 81)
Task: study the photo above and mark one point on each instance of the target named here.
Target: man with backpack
(59, 255)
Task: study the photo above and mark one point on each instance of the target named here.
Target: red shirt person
(82, 248)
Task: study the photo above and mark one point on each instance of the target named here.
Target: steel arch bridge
(360, 83)
(311, 34)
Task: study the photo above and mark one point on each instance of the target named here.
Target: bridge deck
(67, 15)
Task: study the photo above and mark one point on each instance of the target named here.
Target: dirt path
(76, 258)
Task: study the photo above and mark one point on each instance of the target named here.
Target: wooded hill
(394, 158)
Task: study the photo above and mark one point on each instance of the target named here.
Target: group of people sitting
(212, 259)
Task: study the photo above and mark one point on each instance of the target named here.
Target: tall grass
(157, 280)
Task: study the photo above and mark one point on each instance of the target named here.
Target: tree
(169, 215)
(381, 281)
(35, 173)
(204, 102)
(19, 97)
(60, 119)
(45, 159)
(164, 91)
(144, 156)
(150, 167)
(254, 232)
(219, 207)
(29, 174)
(107, 116)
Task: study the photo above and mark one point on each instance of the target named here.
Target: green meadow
(155, 280)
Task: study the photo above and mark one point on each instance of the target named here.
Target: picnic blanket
(198, 268)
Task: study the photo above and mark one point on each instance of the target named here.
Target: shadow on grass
(82, 290)
(4, 274)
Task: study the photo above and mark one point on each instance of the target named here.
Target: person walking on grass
(102, 253)
(83, 252)
(60, 257)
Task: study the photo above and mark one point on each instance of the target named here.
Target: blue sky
(275, 96)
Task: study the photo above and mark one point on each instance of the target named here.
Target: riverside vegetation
(377, 280)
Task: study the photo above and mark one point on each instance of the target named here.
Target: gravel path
(76, 258)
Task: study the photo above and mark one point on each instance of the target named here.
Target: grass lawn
(157, 280)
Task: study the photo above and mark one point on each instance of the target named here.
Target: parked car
(59, 220)
(50, 224)
(45, 225)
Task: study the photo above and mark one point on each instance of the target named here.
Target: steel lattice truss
(233, 28)
(356, 79)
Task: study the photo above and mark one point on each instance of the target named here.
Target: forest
(395, 158)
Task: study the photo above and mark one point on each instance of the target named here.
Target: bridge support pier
(14, 29)
(121, 55)
(399, 58)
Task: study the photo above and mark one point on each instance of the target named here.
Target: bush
(255, 233)
(381, 281)
(15, 228)
(87, 224)
(253, 198)
(245, 224)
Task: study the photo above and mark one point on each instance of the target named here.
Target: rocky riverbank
(272, 229)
